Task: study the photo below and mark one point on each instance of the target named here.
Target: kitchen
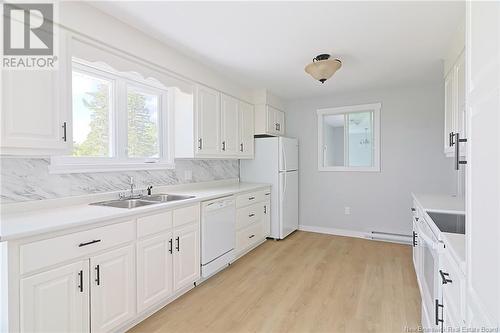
(167, 176)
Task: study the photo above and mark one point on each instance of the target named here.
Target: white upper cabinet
(113, 289)
(223, 127)
(56, 300)
(229, 125)
(34, 119)
(454, 106)
(246, 123)
(208, 121)
(269, 121)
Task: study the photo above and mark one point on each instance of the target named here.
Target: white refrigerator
(276, 162)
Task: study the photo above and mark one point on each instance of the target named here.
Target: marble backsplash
(26, 179)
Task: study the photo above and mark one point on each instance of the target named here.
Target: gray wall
(26, 179)
(412, 159)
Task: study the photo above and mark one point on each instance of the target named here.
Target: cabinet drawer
(249, 215)
(153, 224)
(252, 197)
(453, 291)
(248, 236)
(186, 215)
(51, 251)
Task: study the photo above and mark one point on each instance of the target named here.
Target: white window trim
(375, 108)
(119, 161)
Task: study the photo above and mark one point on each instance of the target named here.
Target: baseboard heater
(390, 237)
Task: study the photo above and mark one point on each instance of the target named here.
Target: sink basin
(128, 203)
(166, 197)
(454, 223)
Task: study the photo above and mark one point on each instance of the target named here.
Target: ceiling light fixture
(322, 67)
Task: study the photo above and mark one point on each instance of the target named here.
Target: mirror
(348, 138)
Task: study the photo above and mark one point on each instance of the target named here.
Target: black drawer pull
(80, 286)
(251, 198)
(268, 194)
(97, 275)
(251, 236)
(88, 243)
(413, 209)
(178, 246)
(251, 215)
(444, 277)
(170, 246)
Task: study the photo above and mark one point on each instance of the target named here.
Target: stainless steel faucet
(130, 195)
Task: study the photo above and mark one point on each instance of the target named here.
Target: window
(120, 122)
(349, 138)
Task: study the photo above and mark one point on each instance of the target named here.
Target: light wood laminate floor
(308, 282)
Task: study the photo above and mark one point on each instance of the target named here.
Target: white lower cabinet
(56, 300)
(186, 255)
(111, 278)
(112, 289)
(154, 270)
(253, 220)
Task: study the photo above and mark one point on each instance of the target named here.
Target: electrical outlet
(347, 210)
(188, 175)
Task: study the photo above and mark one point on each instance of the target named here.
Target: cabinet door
(246, 121)
(229, 125)
(33, 117)
(460, 101)
(449, 120)
(280, 120)
(272, 125)
(186, 255)
(266, 223)
(154, 270)
(56, 300)
(112, 289)
(208, 121)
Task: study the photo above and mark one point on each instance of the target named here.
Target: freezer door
(288, 202)
(288, 150)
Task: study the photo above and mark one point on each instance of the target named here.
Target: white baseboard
(334, 231)
(399, 239)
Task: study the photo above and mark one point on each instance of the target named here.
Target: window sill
(63, 168)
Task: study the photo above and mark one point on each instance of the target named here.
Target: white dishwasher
(218, 222)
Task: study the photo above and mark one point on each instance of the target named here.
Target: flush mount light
(322, 67)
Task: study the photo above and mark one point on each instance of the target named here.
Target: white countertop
(35, 218)
(440, 203)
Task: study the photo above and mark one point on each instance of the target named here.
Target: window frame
(372, 107)
(119, 161)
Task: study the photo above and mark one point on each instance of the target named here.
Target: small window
(349, 138)
(120, 121)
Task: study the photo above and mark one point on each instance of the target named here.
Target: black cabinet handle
(178, 244)
(241, 147)
(457, 151)
(265, 209)
(416, 219)
(251, 215)
(251, 236)
(444, 277)
(413, 209)
(200, 143)
(223, 145)
(451, 136)
(80, 276)
(170, 246)
(97, 275)
(436, 309)
(64, 126)
(251, 198)
(414, 239)
(88, 243)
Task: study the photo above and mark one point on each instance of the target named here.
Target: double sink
(142, 201)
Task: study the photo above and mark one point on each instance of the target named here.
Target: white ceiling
(267, 44)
